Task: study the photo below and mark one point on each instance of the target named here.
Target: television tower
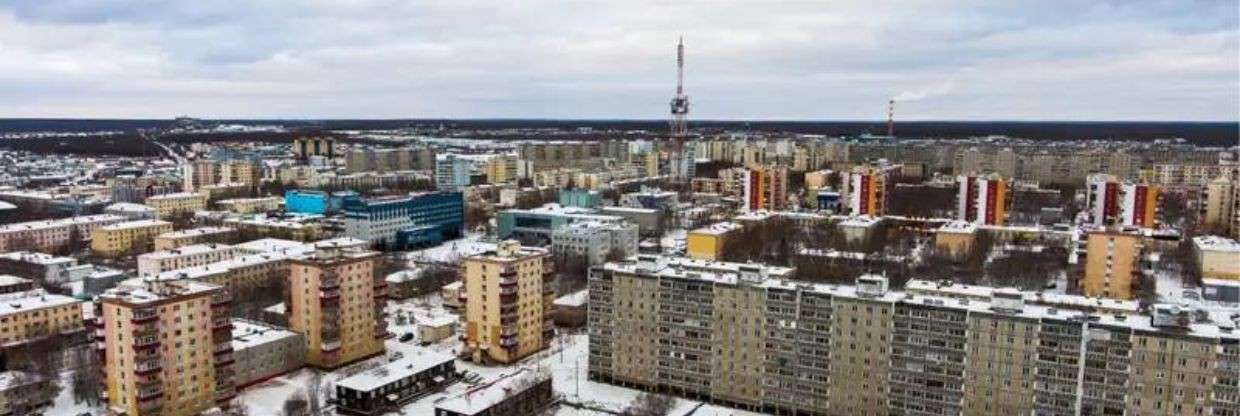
(680, 110)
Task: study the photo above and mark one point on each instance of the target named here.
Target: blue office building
(316, 202)
(581, 198)
(410, 221)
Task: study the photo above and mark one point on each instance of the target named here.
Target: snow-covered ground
(566, 360)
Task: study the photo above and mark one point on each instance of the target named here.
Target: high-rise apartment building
(451, 172)
(305, 147)
(337, 303)
(765, 188)
(395, 159)
(197, 174)
(982, 199)
(166, 347)
(1220, 206)
(507, 298)
(865, 189)
(1112, 264)
(744, 335)
(1110, 202)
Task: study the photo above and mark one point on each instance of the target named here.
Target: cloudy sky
(820, 60)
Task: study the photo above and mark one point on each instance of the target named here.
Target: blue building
(828, 201)
(409, 221)
(316, 202)
(581, 198)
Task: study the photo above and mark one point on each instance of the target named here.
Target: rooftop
(247, 333)
(11, 303)
(717, 228)
(139, 291)
(194, 232)
(958, 227)
(129, 207)
(1216, 243)
(175, 195)
(185, 251)
(482, 397)
(63, 222)
(394, 371)
(37, 258)
(135, 224)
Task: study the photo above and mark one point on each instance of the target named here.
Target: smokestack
(891, 112)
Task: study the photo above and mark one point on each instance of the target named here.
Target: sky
(758, 60)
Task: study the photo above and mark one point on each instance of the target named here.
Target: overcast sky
(819, 60)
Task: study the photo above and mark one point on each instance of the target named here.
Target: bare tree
(650, 404)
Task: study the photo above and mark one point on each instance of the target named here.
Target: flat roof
(1217, 243)
(63, 222)
(718, 228)
(485, 396)
(194, 232)
(135, 224)
(392, 372)
(247, 334)
(37, 299)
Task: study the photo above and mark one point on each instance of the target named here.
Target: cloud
(745, 59)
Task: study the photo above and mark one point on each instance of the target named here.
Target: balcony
(150, 407)
(329, 294)
(508, 330)
(150, 390)
(148, 366)
(330, 346)
(221, 324)
(221, 299)
(508, 342)
(381, 284)
(329, 281)
(508, 291)
(223, 347)
(223, 359)
(141, 316)
(148, 341)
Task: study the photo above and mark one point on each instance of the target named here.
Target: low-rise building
(523, 392)
(595, 241)
(707, 243)
(131, 211)
(955, 238)
(296, 228)
(39, 267)
(451, 294)
(250, 205)
(436, 328)
(177, 203)
(52, 235)
(32, 315)
(127, 237)
(263, 351)
(201, 235)
(156, 262)
(10, 284)
(386, 388)
(404, 284)
(1217, 257)
(23, 392)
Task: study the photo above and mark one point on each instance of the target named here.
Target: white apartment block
(595, 239)
(154, 263)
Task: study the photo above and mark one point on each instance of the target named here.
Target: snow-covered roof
(63, 222)
(135, 224)
(1216, 243)
(958, 227)
(16, 302)
(576, 299)
(483, 397)
(176, 195)
(9, 280)
(717, 228)
(129, 207)
(37, 258)
(195, 232)
(860, 221)
(404, 276)
(247, 334)
(183, 251)
(392, 372)
(276, 245)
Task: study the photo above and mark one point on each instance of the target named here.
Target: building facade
(166, 347)
(1110, 202)
(507, 296)
(52, 235)
(336, 302)
(31, 315)
(865, 189)
(178, 203)
(437, 216)
(201, 235)
(1112, 264)
(127, 237)
(745, 336)
(982, 199)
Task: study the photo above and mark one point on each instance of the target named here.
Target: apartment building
(156, 262)
(240, 273)
(166, 347)
(507, 297)
(865, 189)
(765, 188)
(1110, 202)
(250, 205)
(982, 199)
(707, 243)
(385, 160)
(52, 235)
(500, 169)
(324, 146)
(239, 171)
(595, 241)
(262, 351)
(178, 203)
(127, 237)
(296, 228)
(452, 172)
(40, 267)
(1112, 264)
(1222, 207)
(201, 235)
(31, 315)
(744, 335)
(1217, 257)
(336, 302)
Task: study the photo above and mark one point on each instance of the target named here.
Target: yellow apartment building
(337, 302)
(127, 237)
(707, 243)
(177, 203)
(1112, 264)
(27, 316)
(507, 296)
(166, 347)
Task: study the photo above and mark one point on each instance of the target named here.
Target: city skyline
(970, 61)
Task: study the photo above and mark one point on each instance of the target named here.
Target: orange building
(982, 199)
(865, 190)
(336, 302)
(166, 347)
(1112, 264)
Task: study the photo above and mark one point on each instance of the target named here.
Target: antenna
(680, 110)
(891, 112)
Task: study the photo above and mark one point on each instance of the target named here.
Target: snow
(452, 251)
